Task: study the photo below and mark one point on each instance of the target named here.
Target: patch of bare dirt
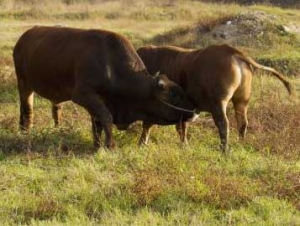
(249, 24)
(232, 30)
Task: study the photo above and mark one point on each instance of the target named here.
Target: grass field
(51, 176)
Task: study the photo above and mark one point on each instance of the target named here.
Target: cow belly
(55, 97)
(51, 88)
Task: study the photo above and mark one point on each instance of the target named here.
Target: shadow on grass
(60, 141)
(50, 141)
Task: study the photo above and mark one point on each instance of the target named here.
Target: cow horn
(157, 74)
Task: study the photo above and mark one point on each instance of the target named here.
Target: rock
(228, 23)
(221, 34)
(224, 35)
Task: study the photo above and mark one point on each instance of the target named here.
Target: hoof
(143, 143)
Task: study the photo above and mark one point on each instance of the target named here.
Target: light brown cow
(211, 77)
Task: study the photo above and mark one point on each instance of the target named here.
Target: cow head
(169, 104)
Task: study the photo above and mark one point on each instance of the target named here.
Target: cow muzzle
(195, 116)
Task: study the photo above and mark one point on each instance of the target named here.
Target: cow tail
(19, 64)
(275, 73)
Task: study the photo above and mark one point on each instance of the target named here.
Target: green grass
(52, 176)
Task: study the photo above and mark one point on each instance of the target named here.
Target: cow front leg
(145, 134)
(221, 121)
(97, 131)
(182, 132)
(56, 113)
(99, 112)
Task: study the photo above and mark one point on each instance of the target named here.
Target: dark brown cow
(100, 71)
(211, 77)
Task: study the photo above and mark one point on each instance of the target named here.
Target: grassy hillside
(51, 176)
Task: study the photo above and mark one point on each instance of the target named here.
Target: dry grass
(277, 129)
(276, 124)
(229, 192)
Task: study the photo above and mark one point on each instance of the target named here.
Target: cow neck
(167, 63)
(131, 111)
(143, 86)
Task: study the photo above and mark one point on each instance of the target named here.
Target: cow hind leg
(145, 134)
(26, 106)
(241, 98)
(222, 123)
(182, 131)
(56, 113)
(240, 108)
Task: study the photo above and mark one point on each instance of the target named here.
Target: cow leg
(97, 131)
(56, 113)
(26, 105)
(221, 121)
(97, 109)
(145, 134)
(241, 116)
(241, 99)
(182, 131)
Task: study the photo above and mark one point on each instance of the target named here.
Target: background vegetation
(52, 176)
